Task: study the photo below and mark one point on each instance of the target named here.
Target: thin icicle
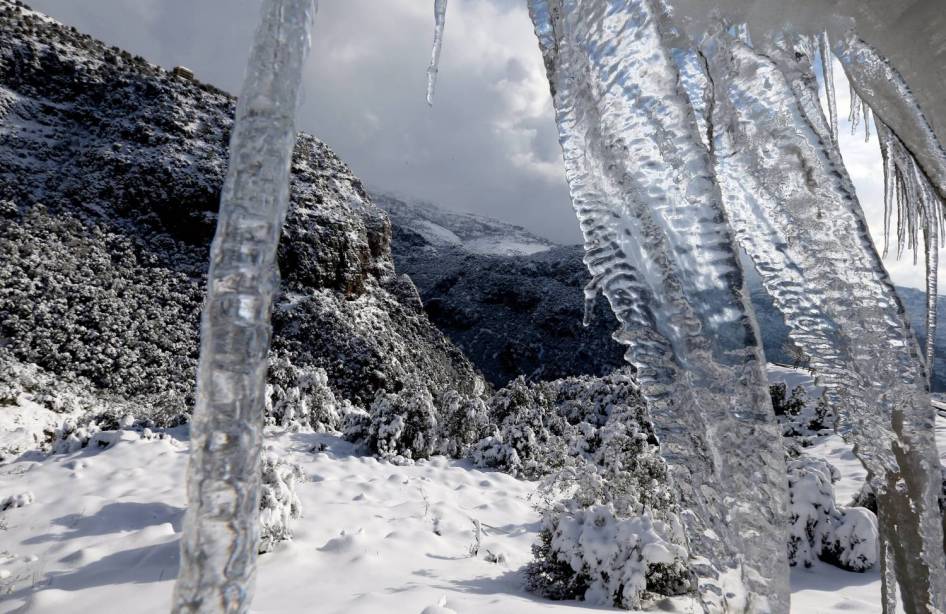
(827, 72)
(931, 241)
(440, 19)
(854, 114)
(920, 210)
(888, 578)
(865, 115)
(221, 529)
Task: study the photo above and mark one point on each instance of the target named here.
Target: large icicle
(658, 246)
(440, 20)
(219, 545)
(794, 209)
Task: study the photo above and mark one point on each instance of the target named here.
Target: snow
(437, 234)
(102, 535)
(500, 246)
(22, 426)
(465, 231)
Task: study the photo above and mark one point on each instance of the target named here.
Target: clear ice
(659, 248)
(793, 208)
(440, 20)
(221, 532)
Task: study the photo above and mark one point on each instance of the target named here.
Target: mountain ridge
(457, 283)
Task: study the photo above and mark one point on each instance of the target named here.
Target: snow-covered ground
(101, 534)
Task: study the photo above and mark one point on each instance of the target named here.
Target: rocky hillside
(110, 173)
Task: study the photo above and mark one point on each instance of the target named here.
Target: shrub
(820, 529)
(463, 422)
(785, 405)
(403, 424)
(602, 480)
(300, 397)
(593, 554)
(278, 501)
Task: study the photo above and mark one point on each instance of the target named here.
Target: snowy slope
(472, 233)
(101, 535)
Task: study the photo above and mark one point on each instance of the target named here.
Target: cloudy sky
(489, 144)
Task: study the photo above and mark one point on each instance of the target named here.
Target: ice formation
(661, 253)
(221, 535)
(440, 19)
(659, 248)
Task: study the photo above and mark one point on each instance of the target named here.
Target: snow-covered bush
(543, 427)
(820, 529)
(463, 422)
(593, 554)
(404, 424)
(278, 501)
(532, 434)
(853, 544)
(602, 479)
(823, 415)
(785, 404)
(300, 397)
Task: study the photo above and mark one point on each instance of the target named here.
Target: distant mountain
(472, 233)
(511, 315)
(520, 313)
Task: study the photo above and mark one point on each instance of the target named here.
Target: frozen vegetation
(103, 524)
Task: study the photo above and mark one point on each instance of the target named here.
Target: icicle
(920, 209)
(865, 114)
(888, 95)
(655, 235)
(931, 241)
(440, 19)
(890, 186)
(888, 579)
(221, 529)
(798, 217)
(854, 115)
(827, 71)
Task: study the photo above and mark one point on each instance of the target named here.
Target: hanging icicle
(827, 73)
(921, 216)
(798, 217)
(221, 529)
(891, 100)
(440, 19)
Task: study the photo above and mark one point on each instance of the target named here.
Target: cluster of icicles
(677, 153)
